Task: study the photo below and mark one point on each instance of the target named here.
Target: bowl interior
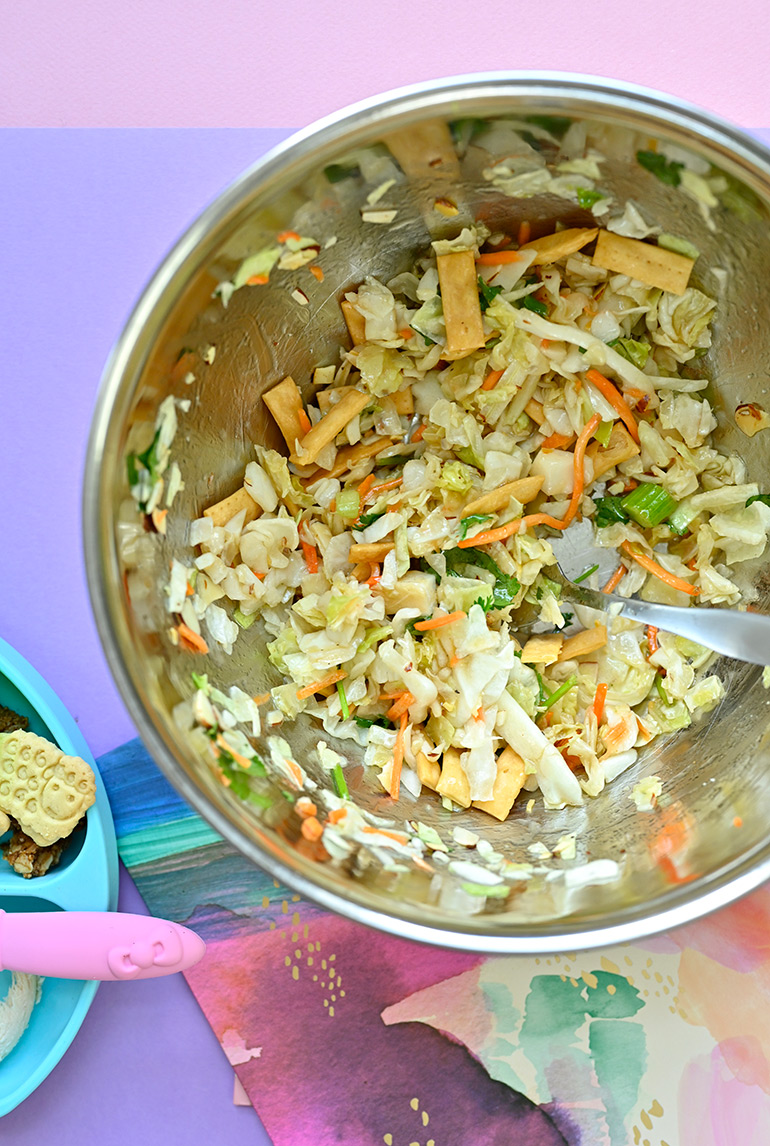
(86, 879)
(442, 139)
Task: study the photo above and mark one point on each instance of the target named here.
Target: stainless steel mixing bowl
(715, 775)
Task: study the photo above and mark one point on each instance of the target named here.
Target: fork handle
(745, 636)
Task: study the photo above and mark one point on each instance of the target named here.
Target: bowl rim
(739, 151)
(41, 697)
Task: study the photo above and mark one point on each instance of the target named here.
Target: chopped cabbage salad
(397, 550)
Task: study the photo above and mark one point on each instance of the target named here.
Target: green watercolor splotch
(555, 1010)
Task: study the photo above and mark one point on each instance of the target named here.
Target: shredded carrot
(658, 571)
(545, 343)
(185, 364)
(188, 590)
(439, 622)
(305, 807)
(615, 579)
(365, 487)
(737, 822)
(374, 577)
(316, 271)
(312, 828)
(652, 639)
(406, 333)
(190, 639)
(284, 236)
(242, 760)
(318, 685)
(257, 280)
(398, 759)
(497, 258)
(418, 433)
(391, 695)
(599, 699)
(336, 815)
(692, 564)
(454, 660)
(397, 836)
(491, 379)
(392, 484)
(525, 232)
(487, 536)
(262, 698)
(400, 706)
(311, 557)
(616, 399)
(304, 421)
(558, 441)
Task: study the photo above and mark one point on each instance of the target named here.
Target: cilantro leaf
(505, 588)
(471, 520)
(368, 721)
(487, 293)
(368, 519)
(609, 510)
(763, 497)
(667, 170)
(586, 197)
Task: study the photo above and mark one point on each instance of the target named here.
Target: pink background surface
(243, 63)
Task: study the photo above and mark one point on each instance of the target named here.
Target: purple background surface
(85, 217)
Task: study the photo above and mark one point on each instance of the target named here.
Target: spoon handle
(745, 636)
(102, 945)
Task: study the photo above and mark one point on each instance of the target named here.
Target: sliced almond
(620, 448)
(543, 649)
(348, 457)
(654, 266)
(354, 321)
(586, 642)
(522, 489)
(227, 508)
(351, 403)
(560, 244)
(284, 402)
(511, 774)
(453, 783)
(460, 300)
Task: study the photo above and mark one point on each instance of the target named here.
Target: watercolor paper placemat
(340, 1034)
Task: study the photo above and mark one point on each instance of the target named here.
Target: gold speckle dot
(629, 960)
(649, 962)
(334, 998)
(283, 935)
(646, 1120)
(388, 1139)
(295, 973)
(663, 1142)
(276, 883)
(414, 1144)
(331, 1012)
(287, 961)
(656, 1110)
(567, 968)
(332, 958)
(305, 931)
(295, 898)
(265, 901)
(284, 907)
(557, 958)
(573, 982)
(342, 994)
(298, 953)
(645, 1142)
(589, 979)
(672, 1009)
(415, 1103)
(425, 1118)
(295, 919)
(665, 989)
(563, 978)
(657, 994)
(670, 980)
(611, 988)
(637, 1135)
(658, 977)
(608, 965)
(326, 1002)
(645, 974)
(431, 1142)
(272, 927)
(315, 978)
(339, 980)
(318, 944)
(295, 936)
(310, 960)
(630, 980)
(537, 961)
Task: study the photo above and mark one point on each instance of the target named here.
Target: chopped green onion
(678, 245)
(667, 170)
(529, 302)
(487, 293)
(245, 621)
(648, 504)
(763, 497)
(682, 517)
(660, 689)
(604, 433)
(608, 511)
(368, 721)
(546, 585)
(390, 461)
(542, 693)
(343, 700)
(561, 691)
(410, 626)
(471, 520)
(340, 783)
(348, 503)
(632, 350)
(488, 890)
(200, 680)
(584, 576)
(586, 197)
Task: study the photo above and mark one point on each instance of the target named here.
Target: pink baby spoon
(103, 945)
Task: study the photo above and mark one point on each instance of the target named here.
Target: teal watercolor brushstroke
(161, 840)
(140, 795)
(498, 1001)
(619, 1051)
(554, 1012)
